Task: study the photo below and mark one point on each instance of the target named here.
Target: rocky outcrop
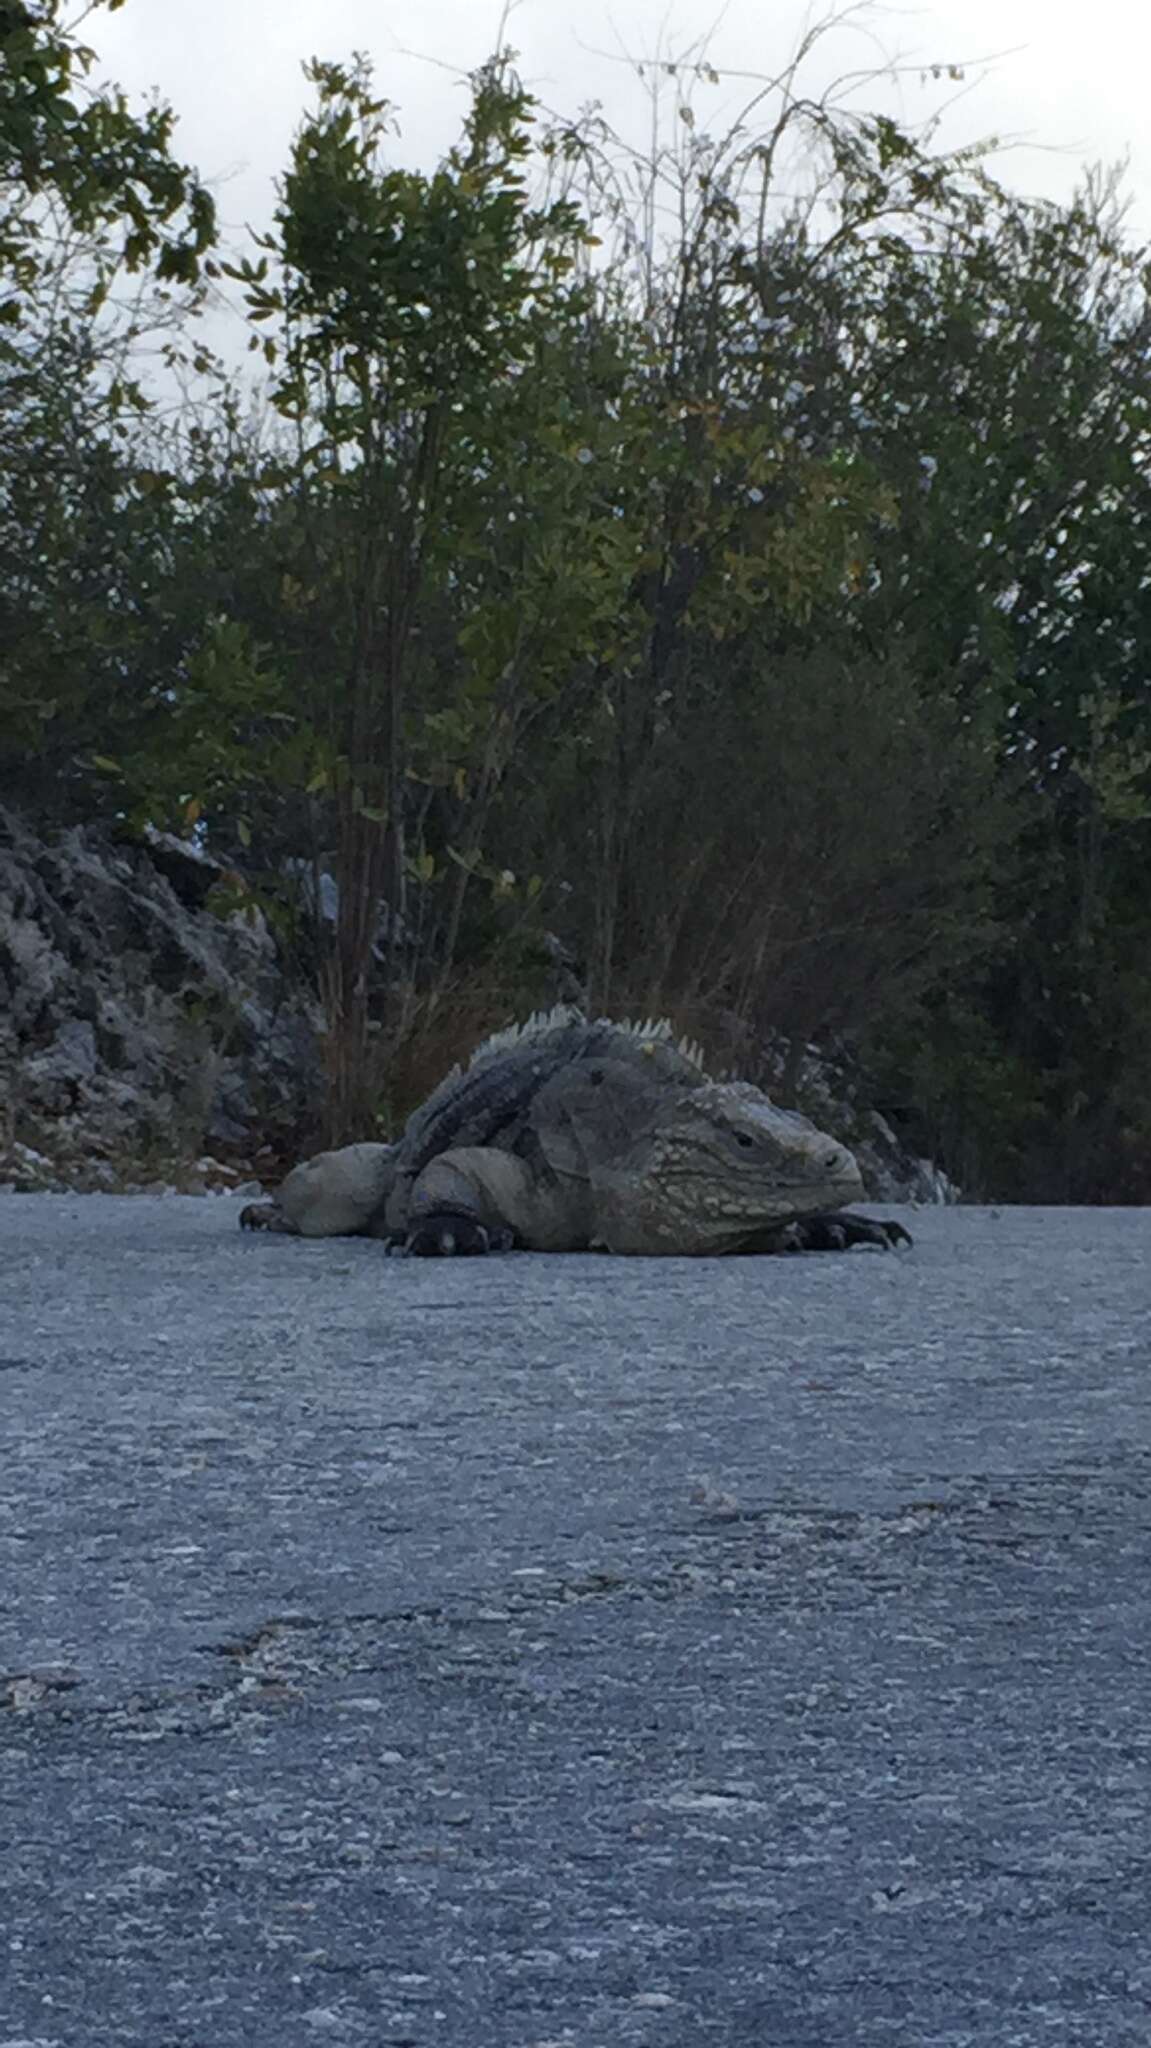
(146, 1027)
(829, 1092)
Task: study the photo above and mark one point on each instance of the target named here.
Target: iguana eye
(745, 1139)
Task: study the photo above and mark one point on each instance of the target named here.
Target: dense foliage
(756, 611)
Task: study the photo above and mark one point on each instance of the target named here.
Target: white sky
(1067, 82)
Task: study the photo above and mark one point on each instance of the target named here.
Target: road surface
(541, 1651)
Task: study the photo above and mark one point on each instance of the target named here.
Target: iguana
(565, 1134)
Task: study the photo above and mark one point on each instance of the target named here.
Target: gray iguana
(569, 1135)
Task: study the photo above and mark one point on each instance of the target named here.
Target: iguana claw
(453, 1234)
(261, 1216)
(840, 1232)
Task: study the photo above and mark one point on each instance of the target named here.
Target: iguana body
(567, 1135)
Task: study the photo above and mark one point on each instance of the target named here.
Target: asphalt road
(573, 1652)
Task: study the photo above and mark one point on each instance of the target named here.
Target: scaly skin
(570, 1136)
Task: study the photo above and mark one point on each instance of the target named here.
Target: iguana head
(720, 1165)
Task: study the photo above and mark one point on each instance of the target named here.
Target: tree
(754, 534)
(1001, 382)
(410, 308)
(69, 156)
(103, 238)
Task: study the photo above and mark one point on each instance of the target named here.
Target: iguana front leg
(832, 1231)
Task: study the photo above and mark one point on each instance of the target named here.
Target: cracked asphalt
(573, 1652)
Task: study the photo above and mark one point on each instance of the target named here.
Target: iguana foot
(839, 1232)
(453, 1234)
(265, 1216)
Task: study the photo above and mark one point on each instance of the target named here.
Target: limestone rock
(138, 1025)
